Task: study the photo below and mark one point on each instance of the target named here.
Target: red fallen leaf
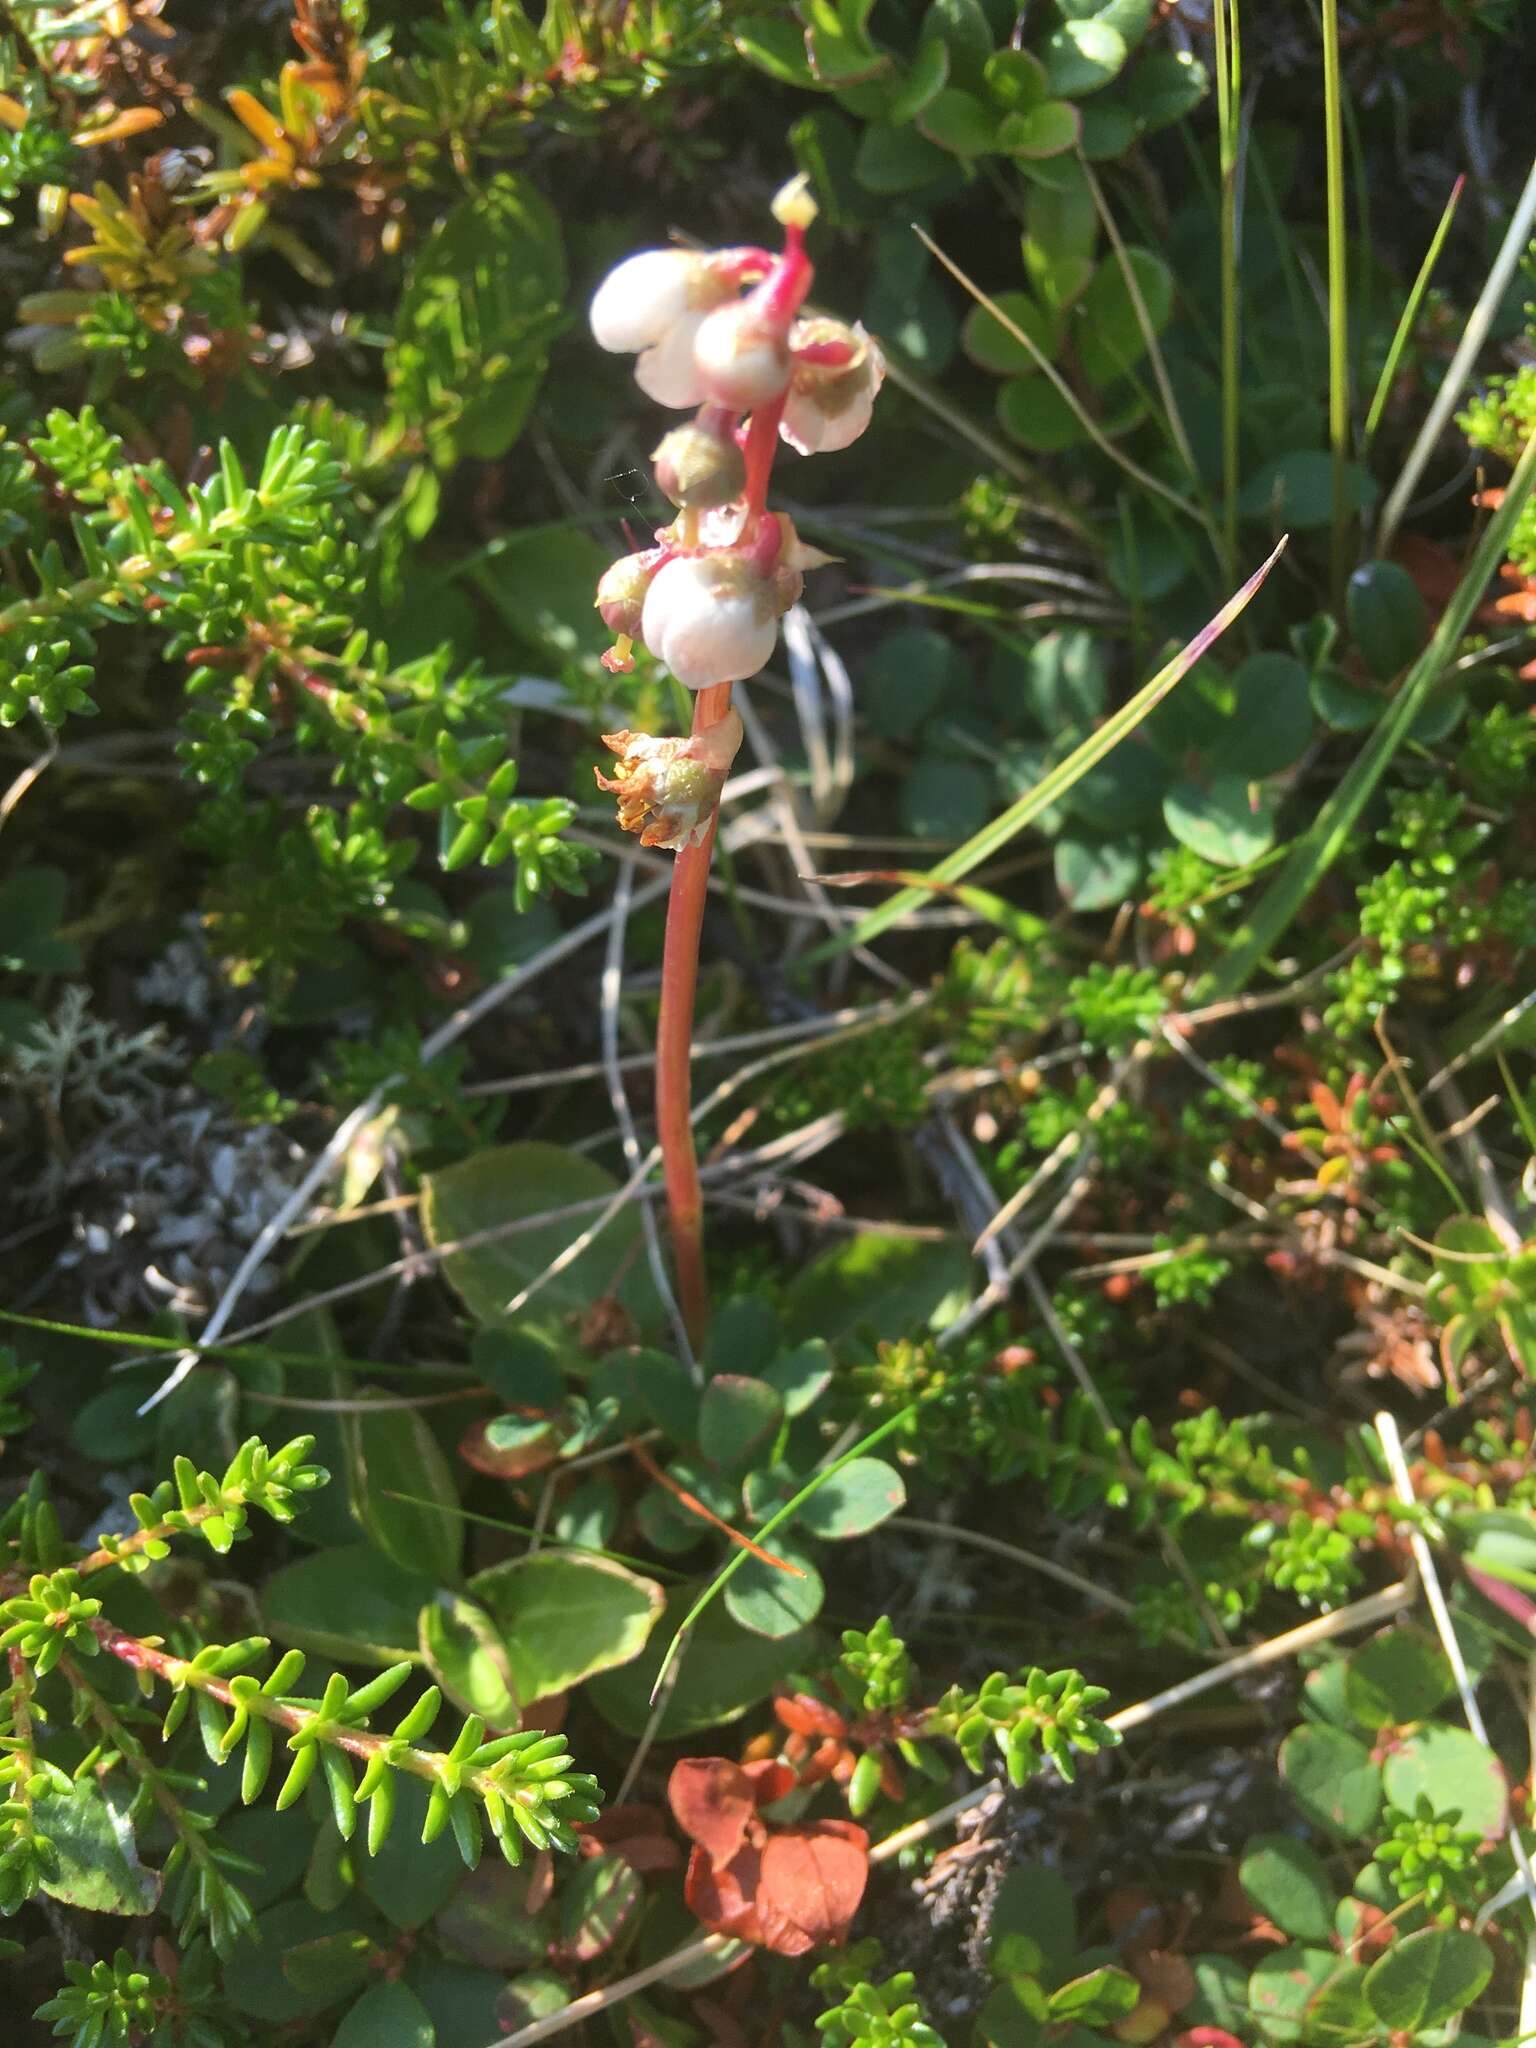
(517, 1460)
(803, 1714)
(1206, 2037)
(637, 1833)
(771, 1780)
(725, 1900)
(714, 1800)
(814, 1876)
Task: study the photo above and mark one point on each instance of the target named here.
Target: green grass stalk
(1338, 305)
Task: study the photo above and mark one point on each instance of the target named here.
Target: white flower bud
(829, 405)
(668, 790)
(645, 295)
(742, 363)
(621, 592)
(711, 618)
(700, 466)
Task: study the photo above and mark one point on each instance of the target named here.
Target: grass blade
(1338, 302)
(1052, 787)
(1228, 108)
(1411, 310)
(1321, 844)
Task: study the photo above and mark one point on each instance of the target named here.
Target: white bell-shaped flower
(640, 299)
(712, 618)
(829, 405)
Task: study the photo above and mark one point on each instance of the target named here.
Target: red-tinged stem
(674, 1043)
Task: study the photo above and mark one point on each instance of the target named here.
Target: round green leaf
(532, 1995)
(1339, 2015)
(1037, 1902)
(963, 28)
(1284, 1984)
(465, 1654)
(944, 799)
(912, 671)
(738, 1420)
(1108, 130)
(892, 159)
(252, 1974)
(1225, 822)
(877, 1287)
(1426, 1977)
(1015, 80)
(460, 1999)
(1451, 1768)
(388, 2015)
(987, 341)
(488, 1918)
(724, 1669)
(1343, 706)
(1096, 874)
(350, 1604)
(770, 1602)
(854, 1500)
(1125, 791)
(98, 1866)
(563, 1617)
(1290, 1885)
(801, 1376)
(1036, 415)
(1386, 616)
(1401, 1675)
(394, 1452)
(1108, 327)
(503, 1184)
(1045, 130)
(595, 1901)
(1332, 1779)
(1164, 86)
(1083, 57)
(1271, 724)
(409, 1880)
(958, 122)
(1294, 492)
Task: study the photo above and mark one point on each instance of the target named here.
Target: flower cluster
(722, 332)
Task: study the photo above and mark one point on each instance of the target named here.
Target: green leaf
(31, 908)
(1271, 724)
(506, 1183)
(1452, 1769)
(98, 1858)
(775, 44)
(563, 1618)
(1294, 492)
(1083, 57)
(854, 1500)
(1108, 129)
(490, 1918)
(533, 1995)
(801, 1376)
(893, 159)
(394, 1451)
(595, 1903)
(465, 1654)
(1332, 1779)
(908, 676)
(738, 1420)
(1098, 1998)
(1400, 1675)
(483, 299)
(1015, 80)
(1034, 413)
(930, 70)
(724, 1671)
(1096, 873)
(987, 342)
(944, 799)
(1107, 326)
(539, 581)
(1226, 821)
(409, 1880)
(350, 1603)
(651, 1387)
(1339, 2014)
(460, 2000)
(1290, 1885)
(958, 122)
(1164, 86)
(1067, 680)
(1045, 130)
(388, 2015)
(1284, 1984)
(882, 1287)
(1426, 1977)
(772, 1603)
(254, 1979)
(1386, 617)
(962, 27)
(1037, 1902)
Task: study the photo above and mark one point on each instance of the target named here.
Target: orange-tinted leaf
(771, 1780)
(725, 1901)
(714, 1801)
(1166, 1977)
(510, 1461)
(812, 1882)
(803, 1714)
